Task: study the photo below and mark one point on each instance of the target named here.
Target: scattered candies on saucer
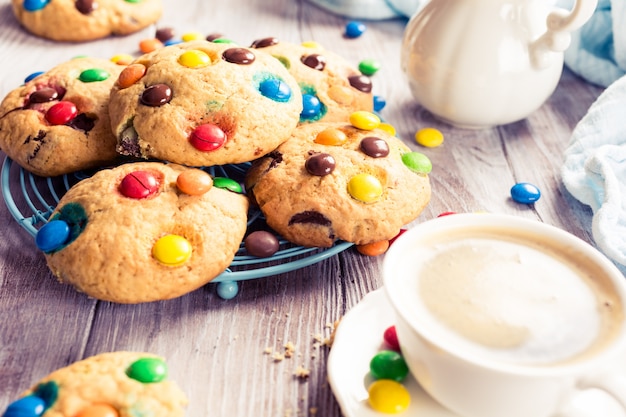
(388, 368)
(525, 193)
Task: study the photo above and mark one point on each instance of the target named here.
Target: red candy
(391, 338)
(208, 137)
(139, 184)
(393, 239)
(446, 213)
(61, 113)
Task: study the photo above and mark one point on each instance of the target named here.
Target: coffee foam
(514, 299)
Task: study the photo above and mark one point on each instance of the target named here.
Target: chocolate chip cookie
(58, 122)
(201, 103)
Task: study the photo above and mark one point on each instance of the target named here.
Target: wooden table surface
(217, 349)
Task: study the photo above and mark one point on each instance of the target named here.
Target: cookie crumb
(278, 357)
(290, 349)
(302, 373)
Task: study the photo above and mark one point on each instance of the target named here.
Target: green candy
(389, 364)
(147, 370)
(369, 66)
(227, 184)
(417, 162)
(93, 75)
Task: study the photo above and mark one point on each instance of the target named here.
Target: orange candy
(374, 248)
(130, 75)
(98, 410)
(194, 182)
(149, 45)
(331, 136)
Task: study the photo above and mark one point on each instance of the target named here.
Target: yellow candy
(98, 410)
(192, 36)
(388, 396)
(364, 120)
(122, 59)
(172, 250)
(194, 59)
(429, 137)
(387, 128)
(311, 44)
(331, 136)
(365, 188)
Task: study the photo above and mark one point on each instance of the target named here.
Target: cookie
(85, 20)
(201, 103)
(108, 384)
(335, 181)
(332, 88)
(58, 122)
(143, 232)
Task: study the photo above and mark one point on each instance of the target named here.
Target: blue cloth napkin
(594, 170)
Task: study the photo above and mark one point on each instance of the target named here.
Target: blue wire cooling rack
(33, 201)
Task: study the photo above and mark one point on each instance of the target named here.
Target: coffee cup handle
(611, 384)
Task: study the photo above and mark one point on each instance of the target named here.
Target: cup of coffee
(503, 316)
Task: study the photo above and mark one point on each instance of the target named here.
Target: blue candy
(311, 106)
(275, 89)
(525, 193)
(354, 29)
(52, 235)
(29, 406)
(33, 75)
(34, 5)
(379, 103)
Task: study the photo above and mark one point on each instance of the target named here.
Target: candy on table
(374, 248)
(379, 103)
(122, 59)
(261, 244)
(149, 45)
(164, 34)
(369, 66)
(429, 137)
(192, 36)
(354, 29)
(525, 193)
(417, 162)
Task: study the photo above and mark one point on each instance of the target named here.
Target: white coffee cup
(500, 316)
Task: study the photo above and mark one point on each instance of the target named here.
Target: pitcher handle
(560, 23)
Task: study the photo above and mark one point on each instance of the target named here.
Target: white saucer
(359, 337)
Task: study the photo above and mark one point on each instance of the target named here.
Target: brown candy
(44, 95)
(361, 83)
(374, 147)
(240, 56)
(156, 95)
(320, 164)
(164, 34)
(315, 61)
(264, 43)
(86, 6)
(261, 244)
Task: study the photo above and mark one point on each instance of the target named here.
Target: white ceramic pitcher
(480, 63)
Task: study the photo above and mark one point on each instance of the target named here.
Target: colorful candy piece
(98, 410)
(194, 182)
(164, 34)
(61, 113)
(149, 45)
(429, 137)
(390, 336)
(387, 396)
(389, 364)
(275, 89)
(446, 213)
(311, 106)
(400, 232)
(365, 188)
(361, 83)
(364, 120)
(192, 36)
(33, 75)
(387, 128)
(314, 61)
(354, 29)
(130, 75)
(417, 162)
(172, 250)
(379, 103)
(52, 235)
(147, 370)
(139, 184)
(44, 95)
(369, 66)
(194, 59)
(374, 147)
(331, 136)
(261, 243)
(122, 59)
(239, 56)
(93, 75)
(525, 193)
(34, 5)
(29, 406)
(156, 95)
(207, 137)
(374, 248)
(320, 164)
(228, 184)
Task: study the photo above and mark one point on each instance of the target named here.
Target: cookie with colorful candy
(204, 103)
(85, 20)
(332, 88)
(58, 121)
(335, 181)
(108, 384)
(144, 231)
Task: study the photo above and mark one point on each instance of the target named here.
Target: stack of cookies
(154, 226)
